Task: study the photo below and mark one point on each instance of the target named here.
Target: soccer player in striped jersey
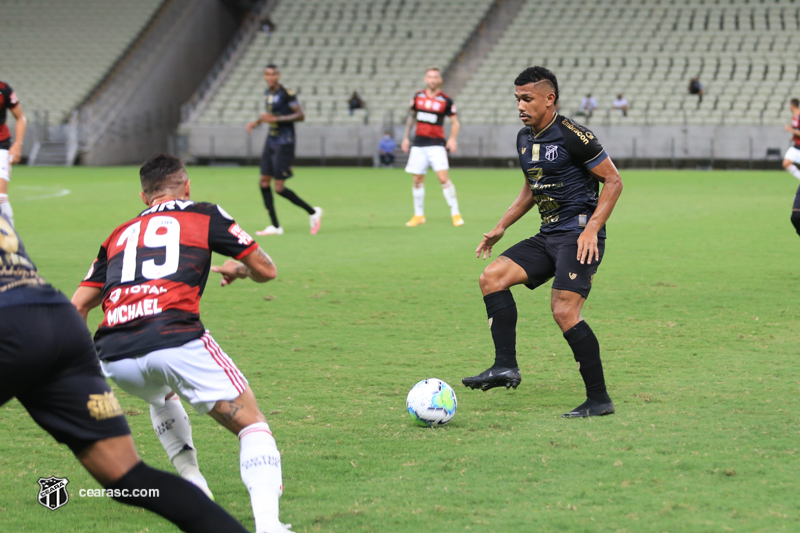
(149, 277)
(428, 109)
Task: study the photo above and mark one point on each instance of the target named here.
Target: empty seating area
(56, 51)
(328, 49)
(744, 53)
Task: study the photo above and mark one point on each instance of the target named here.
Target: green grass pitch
(695, 306)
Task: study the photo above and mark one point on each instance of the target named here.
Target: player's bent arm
(298, 115)
(522, 204)
(607, 174)
(257, 266)
(19, 133)
(260, 267)
(87, 298)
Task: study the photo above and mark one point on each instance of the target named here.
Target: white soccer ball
(431, 402)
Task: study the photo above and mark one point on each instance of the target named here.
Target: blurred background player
(283, 110)
(792, 157)
(48, 362)
(9, 153)
(151, 341)
(563, 164)
(428, 109)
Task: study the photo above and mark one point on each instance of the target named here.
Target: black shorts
(547, 256)
(277, 160)
(48, 361)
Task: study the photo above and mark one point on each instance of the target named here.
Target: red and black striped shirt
(153, 270)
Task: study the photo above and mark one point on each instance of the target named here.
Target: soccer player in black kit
(283, 110)
(563, 164)
(48, 362)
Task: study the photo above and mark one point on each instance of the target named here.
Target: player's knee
(279, 187)
(264, 182)
(490, 282)
(565, 315)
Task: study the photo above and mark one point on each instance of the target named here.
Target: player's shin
(501, 310)
(269, 204)
(171, 424)
(5, 208)
(296, 200)
(260, 463)
(449, 191)
(177, 500)
(418, 193)
(586, 350)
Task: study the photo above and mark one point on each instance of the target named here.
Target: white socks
(5, 208)
(794, 171)
(449, 191)
(419, 200)
(171, 424)
(260, 463)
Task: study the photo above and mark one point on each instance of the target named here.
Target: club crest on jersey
(53, 492)
(551, 152)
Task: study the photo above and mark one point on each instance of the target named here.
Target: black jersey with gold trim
(280, 103)
(556, 162)
(20, 282)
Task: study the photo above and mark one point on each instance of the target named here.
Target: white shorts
(5, 166)
(792, 154)
(199, 371)
(421, 157)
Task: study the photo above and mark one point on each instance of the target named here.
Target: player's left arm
(452, 143)
(257, 266)
(87, 298)
(607, 174)
(15, 151)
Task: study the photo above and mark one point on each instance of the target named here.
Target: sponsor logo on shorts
(53, 492)
(572, 275)
(103, 406)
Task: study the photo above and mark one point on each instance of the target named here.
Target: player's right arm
(85, 299)
(522, 204)
(257, 266)
(15, 151)
(410, 121)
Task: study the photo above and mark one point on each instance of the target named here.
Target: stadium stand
(47, 57)
(742, 50)
(328, 49)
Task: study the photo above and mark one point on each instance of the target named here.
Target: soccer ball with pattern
(431, 402)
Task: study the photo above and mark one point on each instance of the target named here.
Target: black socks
(796, 221)
(178, 501)
(266, 193)
(502, 313)
(586, 349)
(296, 200)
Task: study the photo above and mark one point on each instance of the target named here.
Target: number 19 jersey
(153, 270)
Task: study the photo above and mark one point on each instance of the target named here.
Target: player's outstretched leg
(586, 350)
(260, 460)
(115, 464)
(501, 310)
(171, 424)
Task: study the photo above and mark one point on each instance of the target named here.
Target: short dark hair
(795, 102)
(536, 74)
(272, 66)
(160, 172)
